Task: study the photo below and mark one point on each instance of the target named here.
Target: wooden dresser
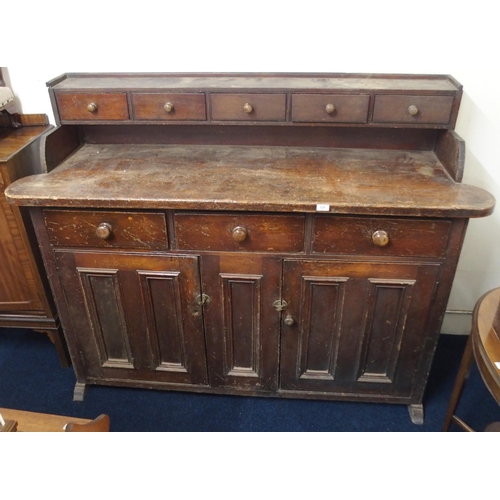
(289, 235)
(25, 298)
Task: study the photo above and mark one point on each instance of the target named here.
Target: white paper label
(497, 364)
(322, 207)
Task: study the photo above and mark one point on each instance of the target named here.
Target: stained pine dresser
(287, 235)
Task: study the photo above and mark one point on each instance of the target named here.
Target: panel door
(135, 316)
(241, 324)
(357, 327)
(18, 291)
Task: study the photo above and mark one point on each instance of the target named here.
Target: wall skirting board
(457, 322)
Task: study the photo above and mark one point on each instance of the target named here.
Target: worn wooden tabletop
(354, 181)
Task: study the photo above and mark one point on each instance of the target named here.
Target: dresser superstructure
(288, 235)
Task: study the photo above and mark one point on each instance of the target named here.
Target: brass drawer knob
(239, 234)
(92, 107)
(380, 238)
(169, 107)
(247, 108)
(288, 320)
(413, 110)
(104, 231)
(330, 109)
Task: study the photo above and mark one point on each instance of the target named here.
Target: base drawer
(134, 230)
(224, 232)
(381, 236)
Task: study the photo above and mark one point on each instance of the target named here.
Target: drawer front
(248, 107)
(137, 230)
(379, 236)
(223, 232)
(98, 106)
(330, 108)
(169, 107)
(412, 109)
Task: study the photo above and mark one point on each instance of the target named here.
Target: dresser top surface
(200, 177)
(12, 140)
(256, 82)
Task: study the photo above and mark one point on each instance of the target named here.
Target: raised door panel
(242, 326)
(18, 290)
(135, 317)
(357, 327)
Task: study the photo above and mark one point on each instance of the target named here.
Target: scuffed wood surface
(254, 81)
(354, 181)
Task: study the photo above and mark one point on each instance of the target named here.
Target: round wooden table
(483, 346)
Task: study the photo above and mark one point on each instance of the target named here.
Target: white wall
(446, 37)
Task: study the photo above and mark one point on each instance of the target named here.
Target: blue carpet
(32, 379)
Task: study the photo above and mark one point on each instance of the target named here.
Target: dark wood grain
(264, 233)
(242, 327)
(394, 108)
(14, 140)
(265, 107)
(347, 108)
(109, 106)
(184, 106)
(450, 149)
(58, 145)
(314, 222)
(248, 178)
(254, 81)
(113, 327)
(244, 134)
(140, 230)
(272, 96)
(407, 237)
(25, 298)
(364, 344)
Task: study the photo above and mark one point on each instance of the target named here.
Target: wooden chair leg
(463, 372)
(99, 424)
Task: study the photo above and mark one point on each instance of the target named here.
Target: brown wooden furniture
(30, 421)
(99, 424)
(270, 235)
(483, 346)
(25, 298)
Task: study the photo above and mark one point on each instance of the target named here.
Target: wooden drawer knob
(169, 107)
(247, 108)
(104, 231)
(288, 320)
(413, 110)
(380, 238)
(239, 234)
(92, 107)
(330, 109)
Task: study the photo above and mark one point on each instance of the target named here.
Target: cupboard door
(357, 327)
(242, 327)
(135, 316)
